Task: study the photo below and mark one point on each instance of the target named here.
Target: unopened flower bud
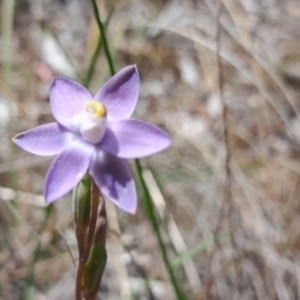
(95, 265)
(81, 202)
(81, 209)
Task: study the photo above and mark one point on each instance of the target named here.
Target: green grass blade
(199, 248)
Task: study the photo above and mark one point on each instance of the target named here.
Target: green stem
(91, 68)
(152, 217)
(103, 36)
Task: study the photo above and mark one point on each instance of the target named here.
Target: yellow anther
(96, 108)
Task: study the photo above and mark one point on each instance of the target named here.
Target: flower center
(93, 122)
(96, 108)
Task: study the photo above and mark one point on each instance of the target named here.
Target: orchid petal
(134, 139)
(113, 176)
(68, 168)
(45, 140)
(120, 94)
(67, 99)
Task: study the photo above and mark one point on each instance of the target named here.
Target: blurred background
(226, 194)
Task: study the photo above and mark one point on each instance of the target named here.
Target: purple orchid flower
(94, 135)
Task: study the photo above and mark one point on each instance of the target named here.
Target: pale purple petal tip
(113, 176)
(68, 168)
(67, 99)
(120, 94)
(44, 140)
(134, 139)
